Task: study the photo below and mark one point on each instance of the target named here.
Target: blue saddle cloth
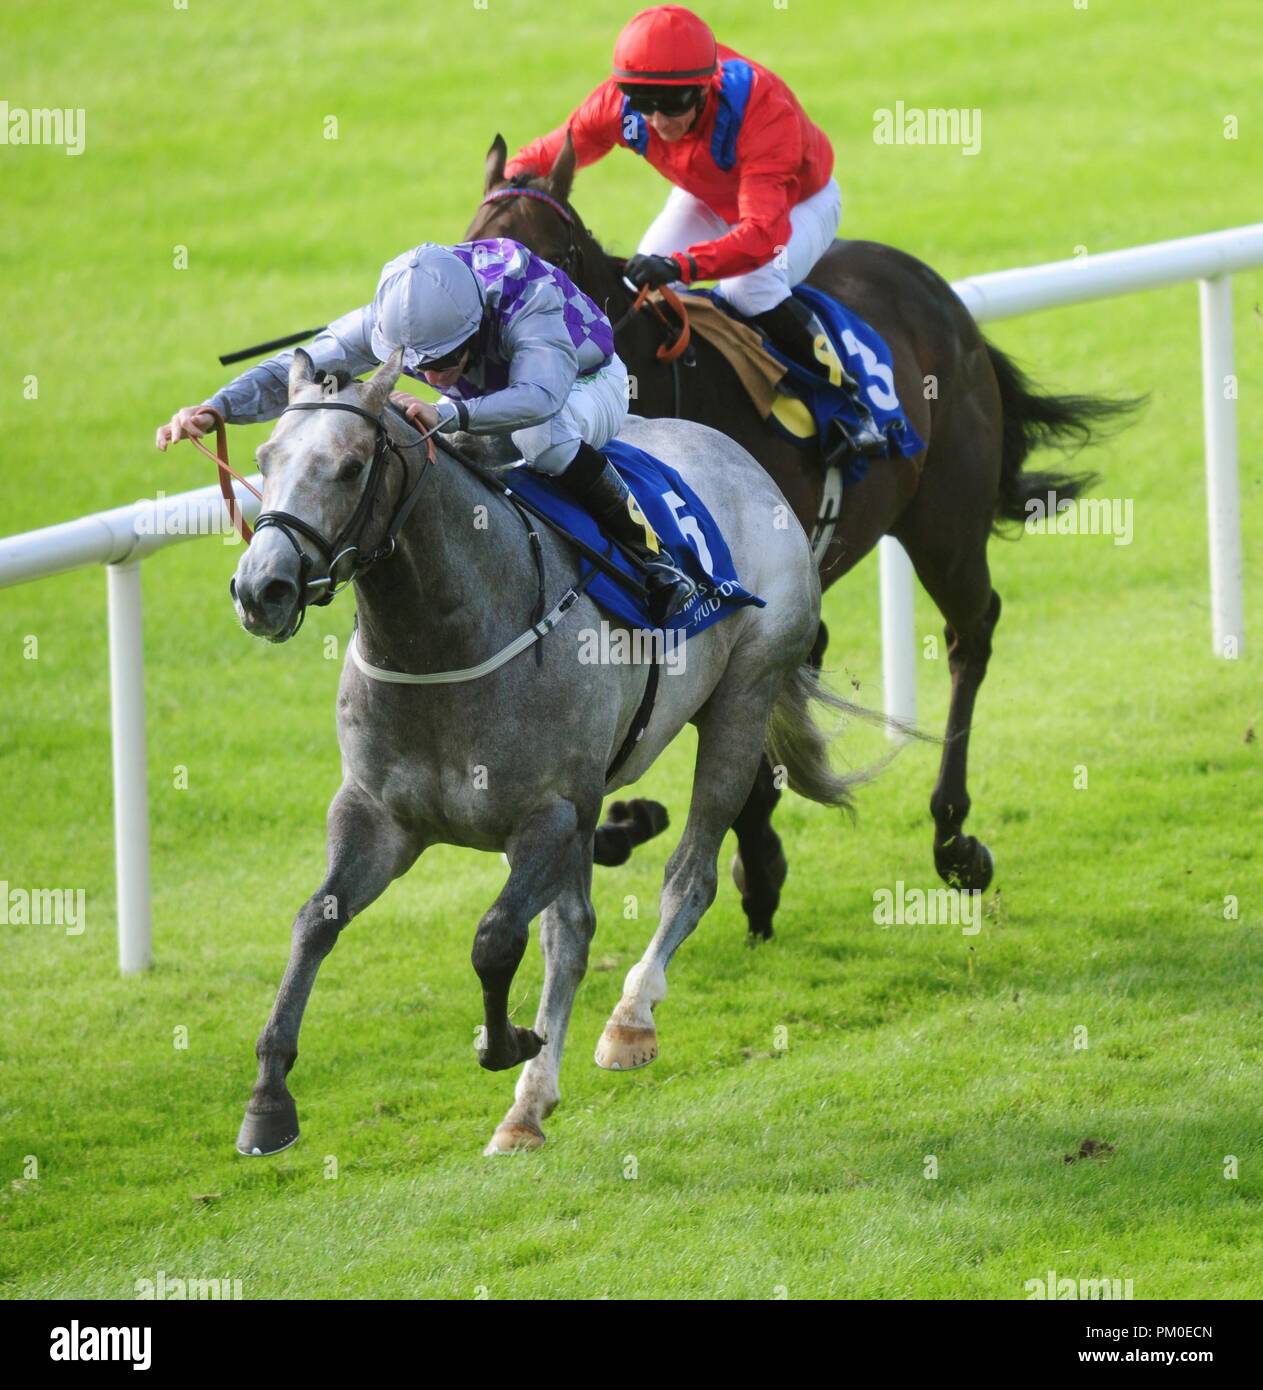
(683, 525)
(867, 361)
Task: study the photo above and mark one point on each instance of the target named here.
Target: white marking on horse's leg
(730, 746)
(566, 929)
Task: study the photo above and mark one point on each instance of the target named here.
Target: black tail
(1033, 420)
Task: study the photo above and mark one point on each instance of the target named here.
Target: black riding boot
(594, 483)
(800, 335)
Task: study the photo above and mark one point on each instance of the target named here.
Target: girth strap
(484, 668)
(640, 722)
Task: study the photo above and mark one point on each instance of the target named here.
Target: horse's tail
(797, 745)
(1033, 419)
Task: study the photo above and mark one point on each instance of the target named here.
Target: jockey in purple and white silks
(513, 346)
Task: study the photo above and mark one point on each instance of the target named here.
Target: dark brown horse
(978, 413)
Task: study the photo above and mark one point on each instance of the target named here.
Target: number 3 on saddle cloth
(679, 519)
(858, 400)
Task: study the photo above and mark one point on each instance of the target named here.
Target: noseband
(348, 541)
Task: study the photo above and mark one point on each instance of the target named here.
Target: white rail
(1210, 259)
(122, 538)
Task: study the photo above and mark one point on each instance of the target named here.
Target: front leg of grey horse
(565, 932)
(367, 848)
(544, 855)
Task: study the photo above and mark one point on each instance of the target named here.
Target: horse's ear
(382, 382)
(301, 373)
(561, 175)
(496, 157)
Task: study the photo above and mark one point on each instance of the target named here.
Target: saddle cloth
(678, 517)
(864, 358)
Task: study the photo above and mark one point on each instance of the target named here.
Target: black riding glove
(651, 272)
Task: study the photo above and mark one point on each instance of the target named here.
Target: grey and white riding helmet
(428, 302)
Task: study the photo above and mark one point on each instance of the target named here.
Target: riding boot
(798, 332)
(594, 483)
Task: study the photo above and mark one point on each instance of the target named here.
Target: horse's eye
(350, 470)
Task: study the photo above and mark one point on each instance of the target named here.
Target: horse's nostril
(276, 593)
(232, 587)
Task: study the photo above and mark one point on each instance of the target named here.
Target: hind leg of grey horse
(367, 849)
(565, 932)
(759, 867)
(545, 853)
(730, 737)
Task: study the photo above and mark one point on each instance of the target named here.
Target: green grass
(756, 1169)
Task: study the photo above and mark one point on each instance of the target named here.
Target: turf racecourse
(781, 1144)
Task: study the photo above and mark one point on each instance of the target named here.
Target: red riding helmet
(667, 46)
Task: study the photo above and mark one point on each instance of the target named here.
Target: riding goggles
(668, 101)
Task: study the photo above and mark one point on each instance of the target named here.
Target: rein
(225, 470)
(347, 541)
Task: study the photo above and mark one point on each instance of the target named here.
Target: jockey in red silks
(754, 205)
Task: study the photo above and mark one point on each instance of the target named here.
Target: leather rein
(345, 555)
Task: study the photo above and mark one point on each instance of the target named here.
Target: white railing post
(1223, 512)
(898, 634)
(131, 792)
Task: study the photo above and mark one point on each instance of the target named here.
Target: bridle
(678, 340)
(570, 257)
(349, 540)
(345, 556)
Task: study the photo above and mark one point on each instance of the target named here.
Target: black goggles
(450, 360)
(668, 101)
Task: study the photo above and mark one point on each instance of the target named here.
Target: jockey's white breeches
(594, 411)
(686, 220)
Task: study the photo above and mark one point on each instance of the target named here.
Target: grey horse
(511, 755)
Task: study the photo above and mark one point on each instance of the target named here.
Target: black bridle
(349, 540)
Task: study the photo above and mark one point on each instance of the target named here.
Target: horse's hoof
(268, 1131)
(649, 817)
(514, 1138)
(985, 869)
(524, 1043)
(970, 866)
(624, 1049)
